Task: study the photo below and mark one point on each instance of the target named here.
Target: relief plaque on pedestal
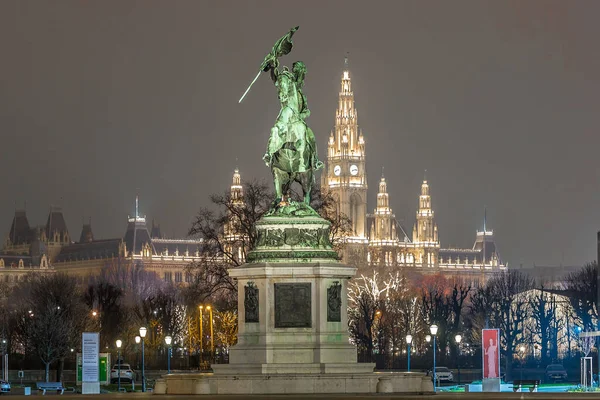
(334, 303)
(292, 305)
(251, 302)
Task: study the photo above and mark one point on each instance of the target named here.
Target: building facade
(378, 239)
(49, 248)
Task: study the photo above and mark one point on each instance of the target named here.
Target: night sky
(499, 101)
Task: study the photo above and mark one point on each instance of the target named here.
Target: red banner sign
(490, 345)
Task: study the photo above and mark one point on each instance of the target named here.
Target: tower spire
(484, 219)
(137, 206)
(346, 173)
(484, 233)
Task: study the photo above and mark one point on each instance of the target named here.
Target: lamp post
(408, 342)
(458, 339)
(143, 332)
(212, 339)
(201, 338)
(433, 329)
(4, 360)
(119, 344)
(168, 340)
(428, 340)
(137, 357)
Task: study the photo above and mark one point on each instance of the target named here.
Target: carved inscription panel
(292, 305)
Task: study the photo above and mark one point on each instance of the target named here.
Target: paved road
(438, 396)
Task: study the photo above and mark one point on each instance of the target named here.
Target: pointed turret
(20, 232)
(425, 229)
(385, 221)
(237, 191)
(87, 236)
(56, 227)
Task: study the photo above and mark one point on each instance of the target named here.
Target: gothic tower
(345, 175)
(383, 239)
(383, 228)
(425, 231)
(234, 239)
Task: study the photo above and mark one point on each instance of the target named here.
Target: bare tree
(546, 324)
(581, 288)
(163, 313)
(105, 300)
(51, 317)
(371, 312)
(227, 235)
(226, 328)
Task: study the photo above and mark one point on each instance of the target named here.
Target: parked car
(4, 387)
(555, 372)
(442, 374)
(127, 374)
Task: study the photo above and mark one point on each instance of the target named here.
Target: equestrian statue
(291, 149)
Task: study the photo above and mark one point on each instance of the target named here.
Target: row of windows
(168, 277)
(14, 278)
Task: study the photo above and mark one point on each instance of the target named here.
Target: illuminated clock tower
(345, 174)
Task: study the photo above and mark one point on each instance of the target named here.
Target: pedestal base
(491, 385)
(90, 388)
(374, 382)
(293, 368)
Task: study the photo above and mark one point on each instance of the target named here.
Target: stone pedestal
(296, 330)
(293, 320)
(292, 302)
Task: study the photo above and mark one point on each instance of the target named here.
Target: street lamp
(212, 339)
(137, 355)
(458, 338)
(4, 360)
(168, 340)
(433, 329)
(408, 342)
(119, 344)
(201, 338)
(143, 332)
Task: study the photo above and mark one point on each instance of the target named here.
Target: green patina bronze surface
(291, 150)
(290, 230)
(292, 209)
